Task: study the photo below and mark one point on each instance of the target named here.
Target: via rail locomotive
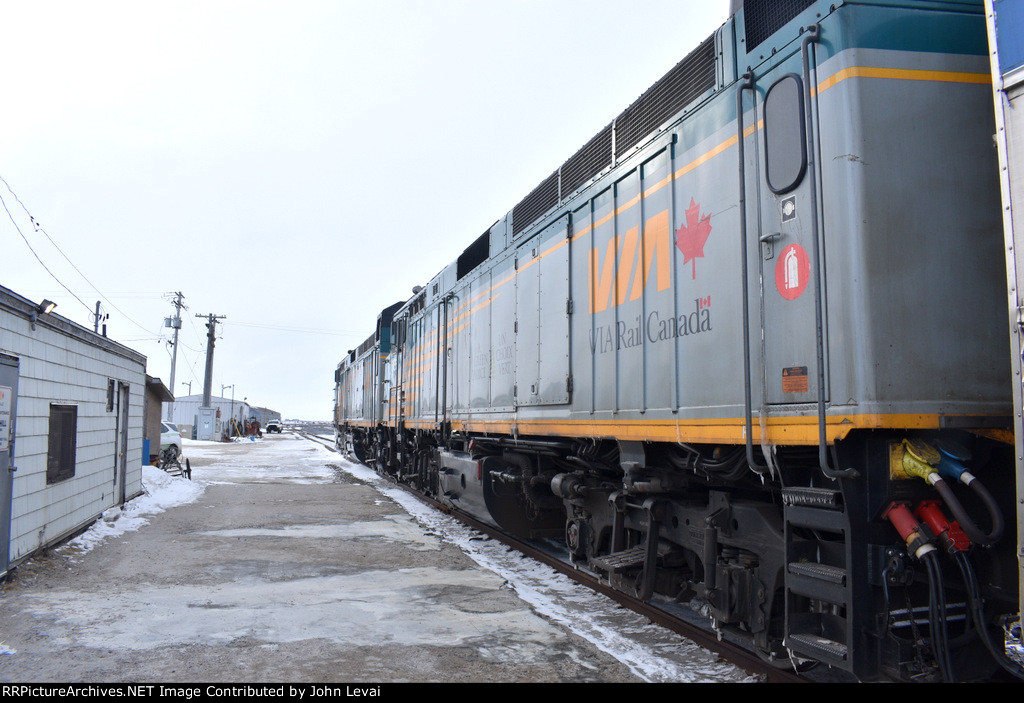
(747, 349)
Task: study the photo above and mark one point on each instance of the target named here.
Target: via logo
(613, 280)
(630, 260)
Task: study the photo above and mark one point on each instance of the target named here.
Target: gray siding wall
(63, 363)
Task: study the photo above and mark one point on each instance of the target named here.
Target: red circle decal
(792, 272)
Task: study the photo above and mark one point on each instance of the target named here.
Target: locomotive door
(789, 236)
(542, 317)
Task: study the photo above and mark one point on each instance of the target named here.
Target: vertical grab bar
(437, 370)
(445, 421)
(746, 83)
(813, 34)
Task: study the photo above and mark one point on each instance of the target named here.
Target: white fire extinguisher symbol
(792, 264)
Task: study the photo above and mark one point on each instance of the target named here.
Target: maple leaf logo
(691, 237)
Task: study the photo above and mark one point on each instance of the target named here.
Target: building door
(8, 396)
(121, 450)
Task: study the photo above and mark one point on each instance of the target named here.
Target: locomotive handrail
(437, 369)
(445, 422)
(746, 83)
(812, 36)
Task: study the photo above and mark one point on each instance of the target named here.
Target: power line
(39, 228)
(52, 275)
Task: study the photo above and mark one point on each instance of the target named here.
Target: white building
(71, 426)
(186, 414)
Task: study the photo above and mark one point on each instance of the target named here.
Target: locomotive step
(824, 572)
(817, 647)
(827, 498)
(817, 581)
(621, 561)
(816, 518)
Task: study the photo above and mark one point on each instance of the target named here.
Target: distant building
(156, 395)
(264, 415)
(71, 426)
(186, 414)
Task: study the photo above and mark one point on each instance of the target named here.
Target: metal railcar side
(726, 348)
(1006, 42)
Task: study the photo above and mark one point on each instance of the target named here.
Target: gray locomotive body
(708, 351)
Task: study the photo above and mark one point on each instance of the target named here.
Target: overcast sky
(294, 166)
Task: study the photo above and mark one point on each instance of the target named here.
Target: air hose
(954, 543)
(951, 466)
(920, 544)
(977, 613)
(923, 461)
(960, 515)
(937, 617)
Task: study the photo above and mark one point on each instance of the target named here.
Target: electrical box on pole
(175, 324)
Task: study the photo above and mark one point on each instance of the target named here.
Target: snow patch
(651, 652)
(161, 491)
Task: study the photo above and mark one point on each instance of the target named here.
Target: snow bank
(161, 491)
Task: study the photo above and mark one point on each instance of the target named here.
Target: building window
(110, 395)
(60, 458)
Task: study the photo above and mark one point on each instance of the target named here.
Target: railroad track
(729, 651)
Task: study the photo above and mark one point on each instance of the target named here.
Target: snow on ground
(160, 492)
(277, 460)
(651, 652)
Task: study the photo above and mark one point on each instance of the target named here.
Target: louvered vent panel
(763, 18)
(543, 198)
(679, 87)
(690, 78)
(588, 161)
(367, 345)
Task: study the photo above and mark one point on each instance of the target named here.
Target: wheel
(172, 452)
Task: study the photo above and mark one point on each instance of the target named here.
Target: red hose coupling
(917, 536)
(949, 532)
(901, 518)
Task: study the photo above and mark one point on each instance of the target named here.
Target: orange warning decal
(794, 379)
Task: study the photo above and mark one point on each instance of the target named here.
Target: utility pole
(207, 428)
(211, 338)
(175, 324)
(98, 318)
